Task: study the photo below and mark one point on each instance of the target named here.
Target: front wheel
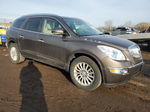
(14, 54)
(85, 73)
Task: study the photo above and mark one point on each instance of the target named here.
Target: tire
(14, 54)
(85, 73)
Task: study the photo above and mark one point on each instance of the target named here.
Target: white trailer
(140, 38)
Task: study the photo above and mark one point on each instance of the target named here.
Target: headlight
(113, 53)
(135, 51)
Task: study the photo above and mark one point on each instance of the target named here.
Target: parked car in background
(2, 36)
(121, 31)
(73, 45)
(146, 30)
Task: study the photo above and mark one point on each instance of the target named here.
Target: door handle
(21, 36)
(41, 40)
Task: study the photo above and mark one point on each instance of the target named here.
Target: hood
(110, 40)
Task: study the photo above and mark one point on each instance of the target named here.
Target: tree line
(140, 26)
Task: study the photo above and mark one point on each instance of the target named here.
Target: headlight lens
(135, 51)
(113, 53)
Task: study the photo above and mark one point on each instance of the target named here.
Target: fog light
(121, 71)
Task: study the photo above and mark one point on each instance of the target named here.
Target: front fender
(78, 53)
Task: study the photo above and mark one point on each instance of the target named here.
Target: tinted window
(18, 22)
(123, 29)
(49, 25)
(33, 24)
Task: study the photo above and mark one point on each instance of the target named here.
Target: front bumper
(113, 79)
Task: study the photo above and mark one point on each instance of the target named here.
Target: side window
(18, 22)
(50, 25)
(33, 24)
(123, 29)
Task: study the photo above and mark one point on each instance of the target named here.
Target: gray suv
(91, 57)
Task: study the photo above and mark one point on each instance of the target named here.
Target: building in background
(2, 35)
(3, 28)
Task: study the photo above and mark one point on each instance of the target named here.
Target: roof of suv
(42, 15)
(45, 15)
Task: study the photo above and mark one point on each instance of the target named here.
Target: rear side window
(33, 24)
(18, 23)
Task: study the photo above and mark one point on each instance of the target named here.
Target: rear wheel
(85, 73)
(14, 54)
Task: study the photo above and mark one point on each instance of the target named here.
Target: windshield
(80, 27)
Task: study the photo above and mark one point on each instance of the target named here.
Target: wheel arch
(88, 54)
(9, 42)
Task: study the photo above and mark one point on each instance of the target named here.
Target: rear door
(28, 37)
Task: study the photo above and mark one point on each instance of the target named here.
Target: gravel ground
(35, 87)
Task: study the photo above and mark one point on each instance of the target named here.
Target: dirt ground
(35, 87)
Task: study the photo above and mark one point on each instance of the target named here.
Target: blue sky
(94, 11)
